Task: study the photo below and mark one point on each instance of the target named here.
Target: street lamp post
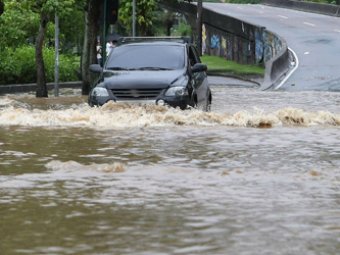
(56, 48)
(133, 18)
(104, 31)
(199, 25)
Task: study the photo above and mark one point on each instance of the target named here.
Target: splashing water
(120, 115)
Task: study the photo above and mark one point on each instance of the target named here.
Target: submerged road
(315, 39)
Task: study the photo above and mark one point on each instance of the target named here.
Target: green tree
(144, 15)
(25, 18)
(72, 26)
(17, 25)
(46, 9)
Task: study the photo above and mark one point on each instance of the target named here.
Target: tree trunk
(39, 58)
(89, 54)
(2, 7)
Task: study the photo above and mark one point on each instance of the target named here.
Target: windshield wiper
(153, 68)
(119, 68)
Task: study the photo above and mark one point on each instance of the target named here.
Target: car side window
(193, 59)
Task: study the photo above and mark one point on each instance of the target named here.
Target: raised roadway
(315, 39)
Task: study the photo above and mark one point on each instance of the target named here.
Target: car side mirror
(199, 67)
(96, 68)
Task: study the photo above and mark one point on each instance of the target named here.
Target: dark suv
(163, 71)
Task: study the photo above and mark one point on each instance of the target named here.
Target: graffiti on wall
(231, 38)
(227, 45)
(264, 46)
(259, 46)
(272, 45)
(204, 38)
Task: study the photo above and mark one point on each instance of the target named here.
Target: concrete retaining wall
(327, 9)
(230, 38)
(276, 68)
(222, 35)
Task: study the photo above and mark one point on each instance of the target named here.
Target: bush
(18, 65)
(182, 29)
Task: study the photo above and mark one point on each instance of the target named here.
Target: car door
(199, 79)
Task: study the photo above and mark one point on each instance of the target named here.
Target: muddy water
(260, 174)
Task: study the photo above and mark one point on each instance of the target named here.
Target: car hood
(143, 79)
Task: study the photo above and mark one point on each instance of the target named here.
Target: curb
(256, 79)
(22, 88)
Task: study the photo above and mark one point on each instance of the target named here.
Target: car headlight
(100, 92)
(176, 91)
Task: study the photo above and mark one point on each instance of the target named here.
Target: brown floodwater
(260, 174)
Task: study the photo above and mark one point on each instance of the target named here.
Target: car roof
(154, 41)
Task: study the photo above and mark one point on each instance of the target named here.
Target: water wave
(64, 169)
(56, 165)
(120, 115)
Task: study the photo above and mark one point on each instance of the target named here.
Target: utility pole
(133, 18)
(199, 26)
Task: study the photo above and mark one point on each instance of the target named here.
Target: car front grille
(139, 94)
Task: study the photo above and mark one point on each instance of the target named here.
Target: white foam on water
(73, 166)
(17, 154)
(5, 101)
(120, 116)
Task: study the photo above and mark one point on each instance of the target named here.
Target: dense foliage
(2, 7)
(19, 24)
(145, 12)
(19, 27)
(18, 65)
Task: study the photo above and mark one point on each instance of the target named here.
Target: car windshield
(146, 57)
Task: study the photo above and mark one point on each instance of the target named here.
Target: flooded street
(260, 174)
